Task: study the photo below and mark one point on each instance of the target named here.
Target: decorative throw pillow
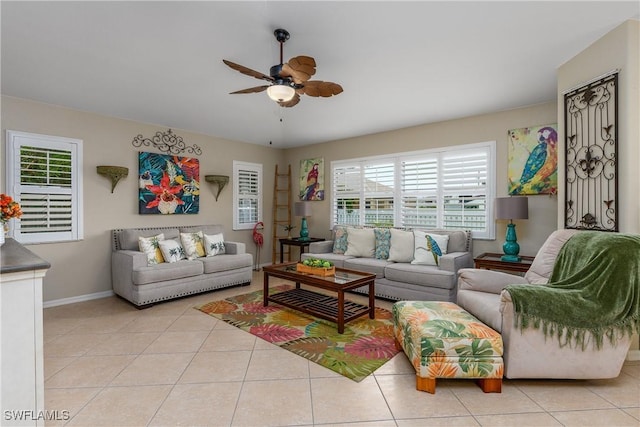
(429, 247)
(383, 242)
(193, 244)
(214, 244)
(402, 246)
(340, 241)
(150, 246)
(361, 242)
(172, 251)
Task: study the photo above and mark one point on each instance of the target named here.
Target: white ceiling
(400, 63)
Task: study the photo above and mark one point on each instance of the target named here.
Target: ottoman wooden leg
(490, 385)
(426, 384)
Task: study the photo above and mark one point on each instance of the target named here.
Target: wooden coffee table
(327, 307)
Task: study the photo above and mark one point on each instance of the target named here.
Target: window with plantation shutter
(450, 188)
(247, 195)
(44, 176)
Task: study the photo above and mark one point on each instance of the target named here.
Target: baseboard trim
(81, 298)
(633, 355)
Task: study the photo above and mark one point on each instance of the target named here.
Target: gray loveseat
(142, 284)
(405, 280)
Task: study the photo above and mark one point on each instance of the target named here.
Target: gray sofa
(142, 284)
(403, 280)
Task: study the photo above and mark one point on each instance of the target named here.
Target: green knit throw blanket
(594, 287)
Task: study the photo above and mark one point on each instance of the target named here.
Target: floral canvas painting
(168, 184)
(312, 179)
(533, 160)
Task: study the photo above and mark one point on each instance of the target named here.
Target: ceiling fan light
(281, 93)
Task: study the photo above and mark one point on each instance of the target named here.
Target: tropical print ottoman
(444, 341)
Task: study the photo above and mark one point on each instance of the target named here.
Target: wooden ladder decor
(281, 213)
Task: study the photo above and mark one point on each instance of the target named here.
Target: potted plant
(288, 228)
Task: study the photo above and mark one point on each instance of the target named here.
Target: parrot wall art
(533, 160)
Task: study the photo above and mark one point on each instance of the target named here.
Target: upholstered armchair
(529, 352)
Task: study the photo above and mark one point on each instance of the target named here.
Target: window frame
(14, 141)
(256, 168)
(441, 156)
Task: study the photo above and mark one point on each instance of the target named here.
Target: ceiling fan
(288, 80)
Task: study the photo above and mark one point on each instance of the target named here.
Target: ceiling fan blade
(292, 102)
(248, 71)
(251, 90)
(320, 88)
(299, 68)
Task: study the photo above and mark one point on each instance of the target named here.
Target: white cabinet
(21, 352)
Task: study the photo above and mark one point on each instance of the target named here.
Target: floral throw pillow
(151, 247)
(172, 251)
(383, 242)
(193, 244)
(340, 241)
(214, 244)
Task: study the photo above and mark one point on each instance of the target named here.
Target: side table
(297, 241)
(491, 261)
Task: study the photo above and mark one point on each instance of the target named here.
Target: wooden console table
(491, 261)
(296, 241)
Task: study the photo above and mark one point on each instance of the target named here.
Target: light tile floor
(110, 364)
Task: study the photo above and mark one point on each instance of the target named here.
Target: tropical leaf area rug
(365, 345)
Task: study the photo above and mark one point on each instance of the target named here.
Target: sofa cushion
(223, 262)
(459, 240)
(402, 246)
(215, 244)
(166, 271)
(426, 254)
(361, 242)
(172, 250)
(425, 275)
(369, 265)
(128, 239)
(340, 240)
(206, 229)
(193, 244)
(383, 242)
(151, 248)
(543, 263)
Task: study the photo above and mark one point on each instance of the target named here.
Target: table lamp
(303, 209)
(511, 208)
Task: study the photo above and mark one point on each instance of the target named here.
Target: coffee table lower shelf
(322, 306)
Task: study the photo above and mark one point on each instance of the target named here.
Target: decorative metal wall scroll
(591, 137)
(167, 142)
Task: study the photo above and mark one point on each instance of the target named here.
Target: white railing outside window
(450, 188)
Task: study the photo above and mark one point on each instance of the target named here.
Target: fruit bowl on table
(318, 268)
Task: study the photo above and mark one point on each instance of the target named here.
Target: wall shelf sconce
(114, 173)
(219, 180)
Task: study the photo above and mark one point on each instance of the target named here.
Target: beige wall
(619, 49)
(84, 267)
(489, 127)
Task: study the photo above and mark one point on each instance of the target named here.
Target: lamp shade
(512, 208)
(281, 93)
(302, 209)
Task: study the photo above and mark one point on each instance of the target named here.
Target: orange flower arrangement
(8, 208)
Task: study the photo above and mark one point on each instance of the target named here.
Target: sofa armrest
(235, 248)
(123, 263)
(477, 279)
(454, 261)
(326, 246)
